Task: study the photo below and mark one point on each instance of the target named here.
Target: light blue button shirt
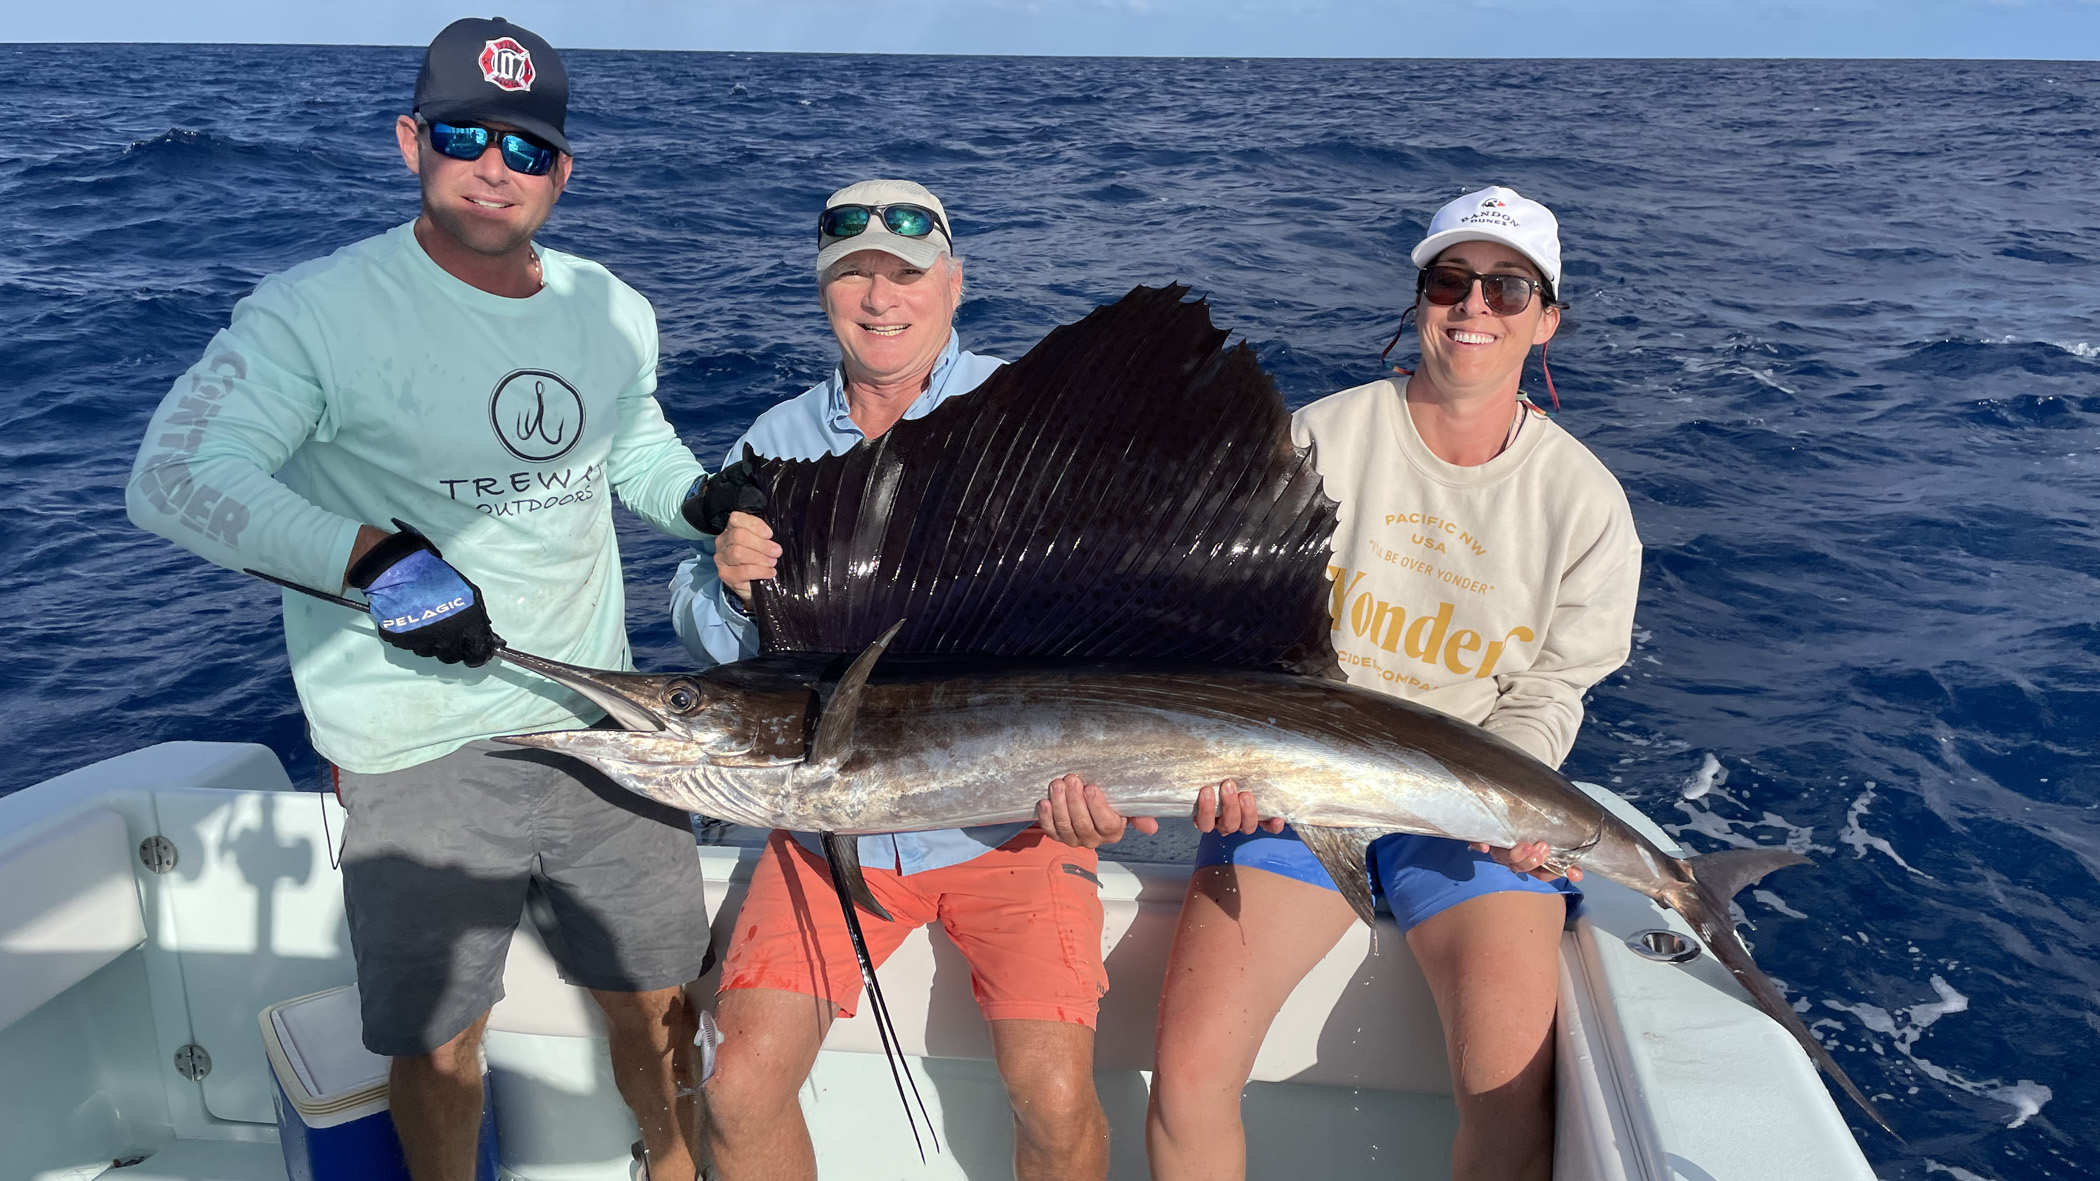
(709, 619)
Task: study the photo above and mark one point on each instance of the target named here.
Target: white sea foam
(1708, 824)
(1703, 789)
(1712, 824)
(1954, 1171)
(1711, 774)
(2025, 1097)
(2076, 348)
(1764, 377)
(1861, 840)
(1924, 1013)
(1772, 900)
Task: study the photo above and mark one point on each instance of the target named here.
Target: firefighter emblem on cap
(506, 64)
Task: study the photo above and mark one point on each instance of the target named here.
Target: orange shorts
(1026, 915)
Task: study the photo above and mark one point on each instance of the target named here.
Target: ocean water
(1833, 327)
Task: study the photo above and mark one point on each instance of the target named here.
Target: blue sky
(1313, 28)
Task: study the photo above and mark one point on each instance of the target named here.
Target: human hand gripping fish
(1077, 813)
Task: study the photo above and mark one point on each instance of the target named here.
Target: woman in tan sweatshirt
(1485, 564)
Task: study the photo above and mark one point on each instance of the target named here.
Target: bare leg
(652, 1050)
(435, 1099)
(770, 1039)
(1060, 1131)
(1226, 980)
(1492, 963)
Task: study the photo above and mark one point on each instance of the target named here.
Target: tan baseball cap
(878, 194)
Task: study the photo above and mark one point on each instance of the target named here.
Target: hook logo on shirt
(538, 417)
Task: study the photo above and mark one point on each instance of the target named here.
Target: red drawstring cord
(1396, 337)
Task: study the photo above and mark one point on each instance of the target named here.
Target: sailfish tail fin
(1704, 904)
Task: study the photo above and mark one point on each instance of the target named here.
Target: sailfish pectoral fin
(834, 740)
(844, 854)
(1341, 852)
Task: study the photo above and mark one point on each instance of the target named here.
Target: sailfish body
(948, 742)
(1111, 561)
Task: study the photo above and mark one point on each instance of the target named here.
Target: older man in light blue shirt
(1023, 908)
(710, 617)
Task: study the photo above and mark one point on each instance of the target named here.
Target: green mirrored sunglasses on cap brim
(905, 221)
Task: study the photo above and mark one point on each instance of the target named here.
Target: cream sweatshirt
(1497, 593)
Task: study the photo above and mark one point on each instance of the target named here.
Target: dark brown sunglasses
(1448, 286)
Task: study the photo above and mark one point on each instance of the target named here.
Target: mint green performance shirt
(370, 385)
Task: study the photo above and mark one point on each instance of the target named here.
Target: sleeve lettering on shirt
(227, 521)
(170, 486)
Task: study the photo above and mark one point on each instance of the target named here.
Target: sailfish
(1109, 559)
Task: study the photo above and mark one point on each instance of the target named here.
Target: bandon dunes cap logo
(506, 64)
(538, 417)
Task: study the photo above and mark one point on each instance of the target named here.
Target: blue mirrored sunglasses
(905, 221)
(467, 141)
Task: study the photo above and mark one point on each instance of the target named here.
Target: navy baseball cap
(492, 71)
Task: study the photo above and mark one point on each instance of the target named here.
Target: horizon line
(1087, 56)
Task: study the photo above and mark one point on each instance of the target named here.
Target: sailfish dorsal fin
(1128, 490)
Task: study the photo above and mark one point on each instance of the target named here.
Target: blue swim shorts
(1418, 877)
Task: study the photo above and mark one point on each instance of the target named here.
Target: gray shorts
(440, 861)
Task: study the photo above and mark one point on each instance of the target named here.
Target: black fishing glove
(419, 602)
(734, 489)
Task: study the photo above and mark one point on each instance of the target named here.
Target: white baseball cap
(1497, 214)
(919, 252)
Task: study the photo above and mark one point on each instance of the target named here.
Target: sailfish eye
(682, 699)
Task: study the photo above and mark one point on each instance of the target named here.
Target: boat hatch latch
(158, 853)
(1663, 946)
(192, 1062)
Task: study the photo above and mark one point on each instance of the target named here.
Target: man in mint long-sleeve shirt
(453, 376)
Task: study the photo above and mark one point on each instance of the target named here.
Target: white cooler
(331, 1098)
